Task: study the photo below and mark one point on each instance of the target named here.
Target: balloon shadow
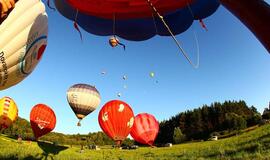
(49, 149)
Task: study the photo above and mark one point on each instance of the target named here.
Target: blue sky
(233, 66)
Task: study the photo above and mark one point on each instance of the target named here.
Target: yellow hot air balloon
(23, 40)
(83, 99)
(151, 74)
(8, 112)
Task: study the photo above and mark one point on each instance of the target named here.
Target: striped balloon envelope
(23, 41)
(145, 129)
(83, 99)
(116, 120)
(8, 112)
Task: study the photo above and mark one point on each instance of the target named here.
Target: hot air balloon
(42, 119)
(137, 20)
(253, 14)
(8, 112)
(116, 120)
(119, 94)
(103, 72)
(83, 99)
(152, 74)
(23, 41)
(125, 77)
(145, 129)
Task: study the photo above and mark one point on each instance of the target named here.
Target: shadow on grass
(49, 150)
(15, 157)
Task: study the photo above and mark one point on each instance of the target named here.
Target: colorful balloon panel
(83, 99)
(42, 119)
(23, 41)
(127, 9)
(138, 29)
(8, 112)
(116, 120)
(145, 129)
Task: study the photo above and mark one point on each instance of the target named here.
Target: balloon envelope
(23, 41)
(145, 129)
(132, 23)
(8, 112)
(42, 119)
(152, 74)
(83, 99)
(116, 119)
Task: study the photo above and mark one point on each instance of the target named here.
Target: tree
(235, 122)
(178, 136)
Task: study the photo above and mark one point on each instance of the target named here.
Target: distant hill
(201, 122)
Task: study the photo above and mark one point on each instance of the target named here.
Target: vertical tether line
(76, 25)
(154, 21)
(172, 35)
(195, 36)
(114, 24)
(77, 11)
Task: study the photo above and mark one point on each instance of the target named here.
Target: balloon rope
(114, 24)
(154, 21)
(121, 44)
(200, 20)
(195, 36)
(198, 48)
(172, 35)
(203, 25)
(76, 25)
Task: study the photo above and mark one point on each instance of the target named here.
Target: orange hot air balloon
(145, 129)
(116, 120)
(42, 119)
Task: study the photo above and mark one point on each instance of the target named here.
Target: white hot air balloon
(125, 77)
(23, 40)
(83, 99)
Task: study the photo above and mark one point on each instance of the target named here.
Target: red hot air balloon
(42, 119)
(145, 129)
(116, 120)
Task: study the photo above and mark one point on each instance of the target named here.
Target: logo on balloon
(121, 108)
(130, 123)
(4, 75)
(41, 124)
(105, 116)
(34, 51)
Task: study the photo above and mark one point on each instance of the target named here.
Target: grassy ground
(254, 144)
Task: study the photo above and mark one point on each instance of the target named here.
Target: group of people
(5, 7)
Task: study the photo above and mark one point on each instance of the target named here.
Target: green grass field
(254, 144)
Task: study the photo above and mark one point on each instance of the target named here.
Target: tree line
(196, 124)
(202, 122)
(22, 128)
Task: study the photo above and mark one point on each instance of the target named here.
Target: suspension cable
(172, 35)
